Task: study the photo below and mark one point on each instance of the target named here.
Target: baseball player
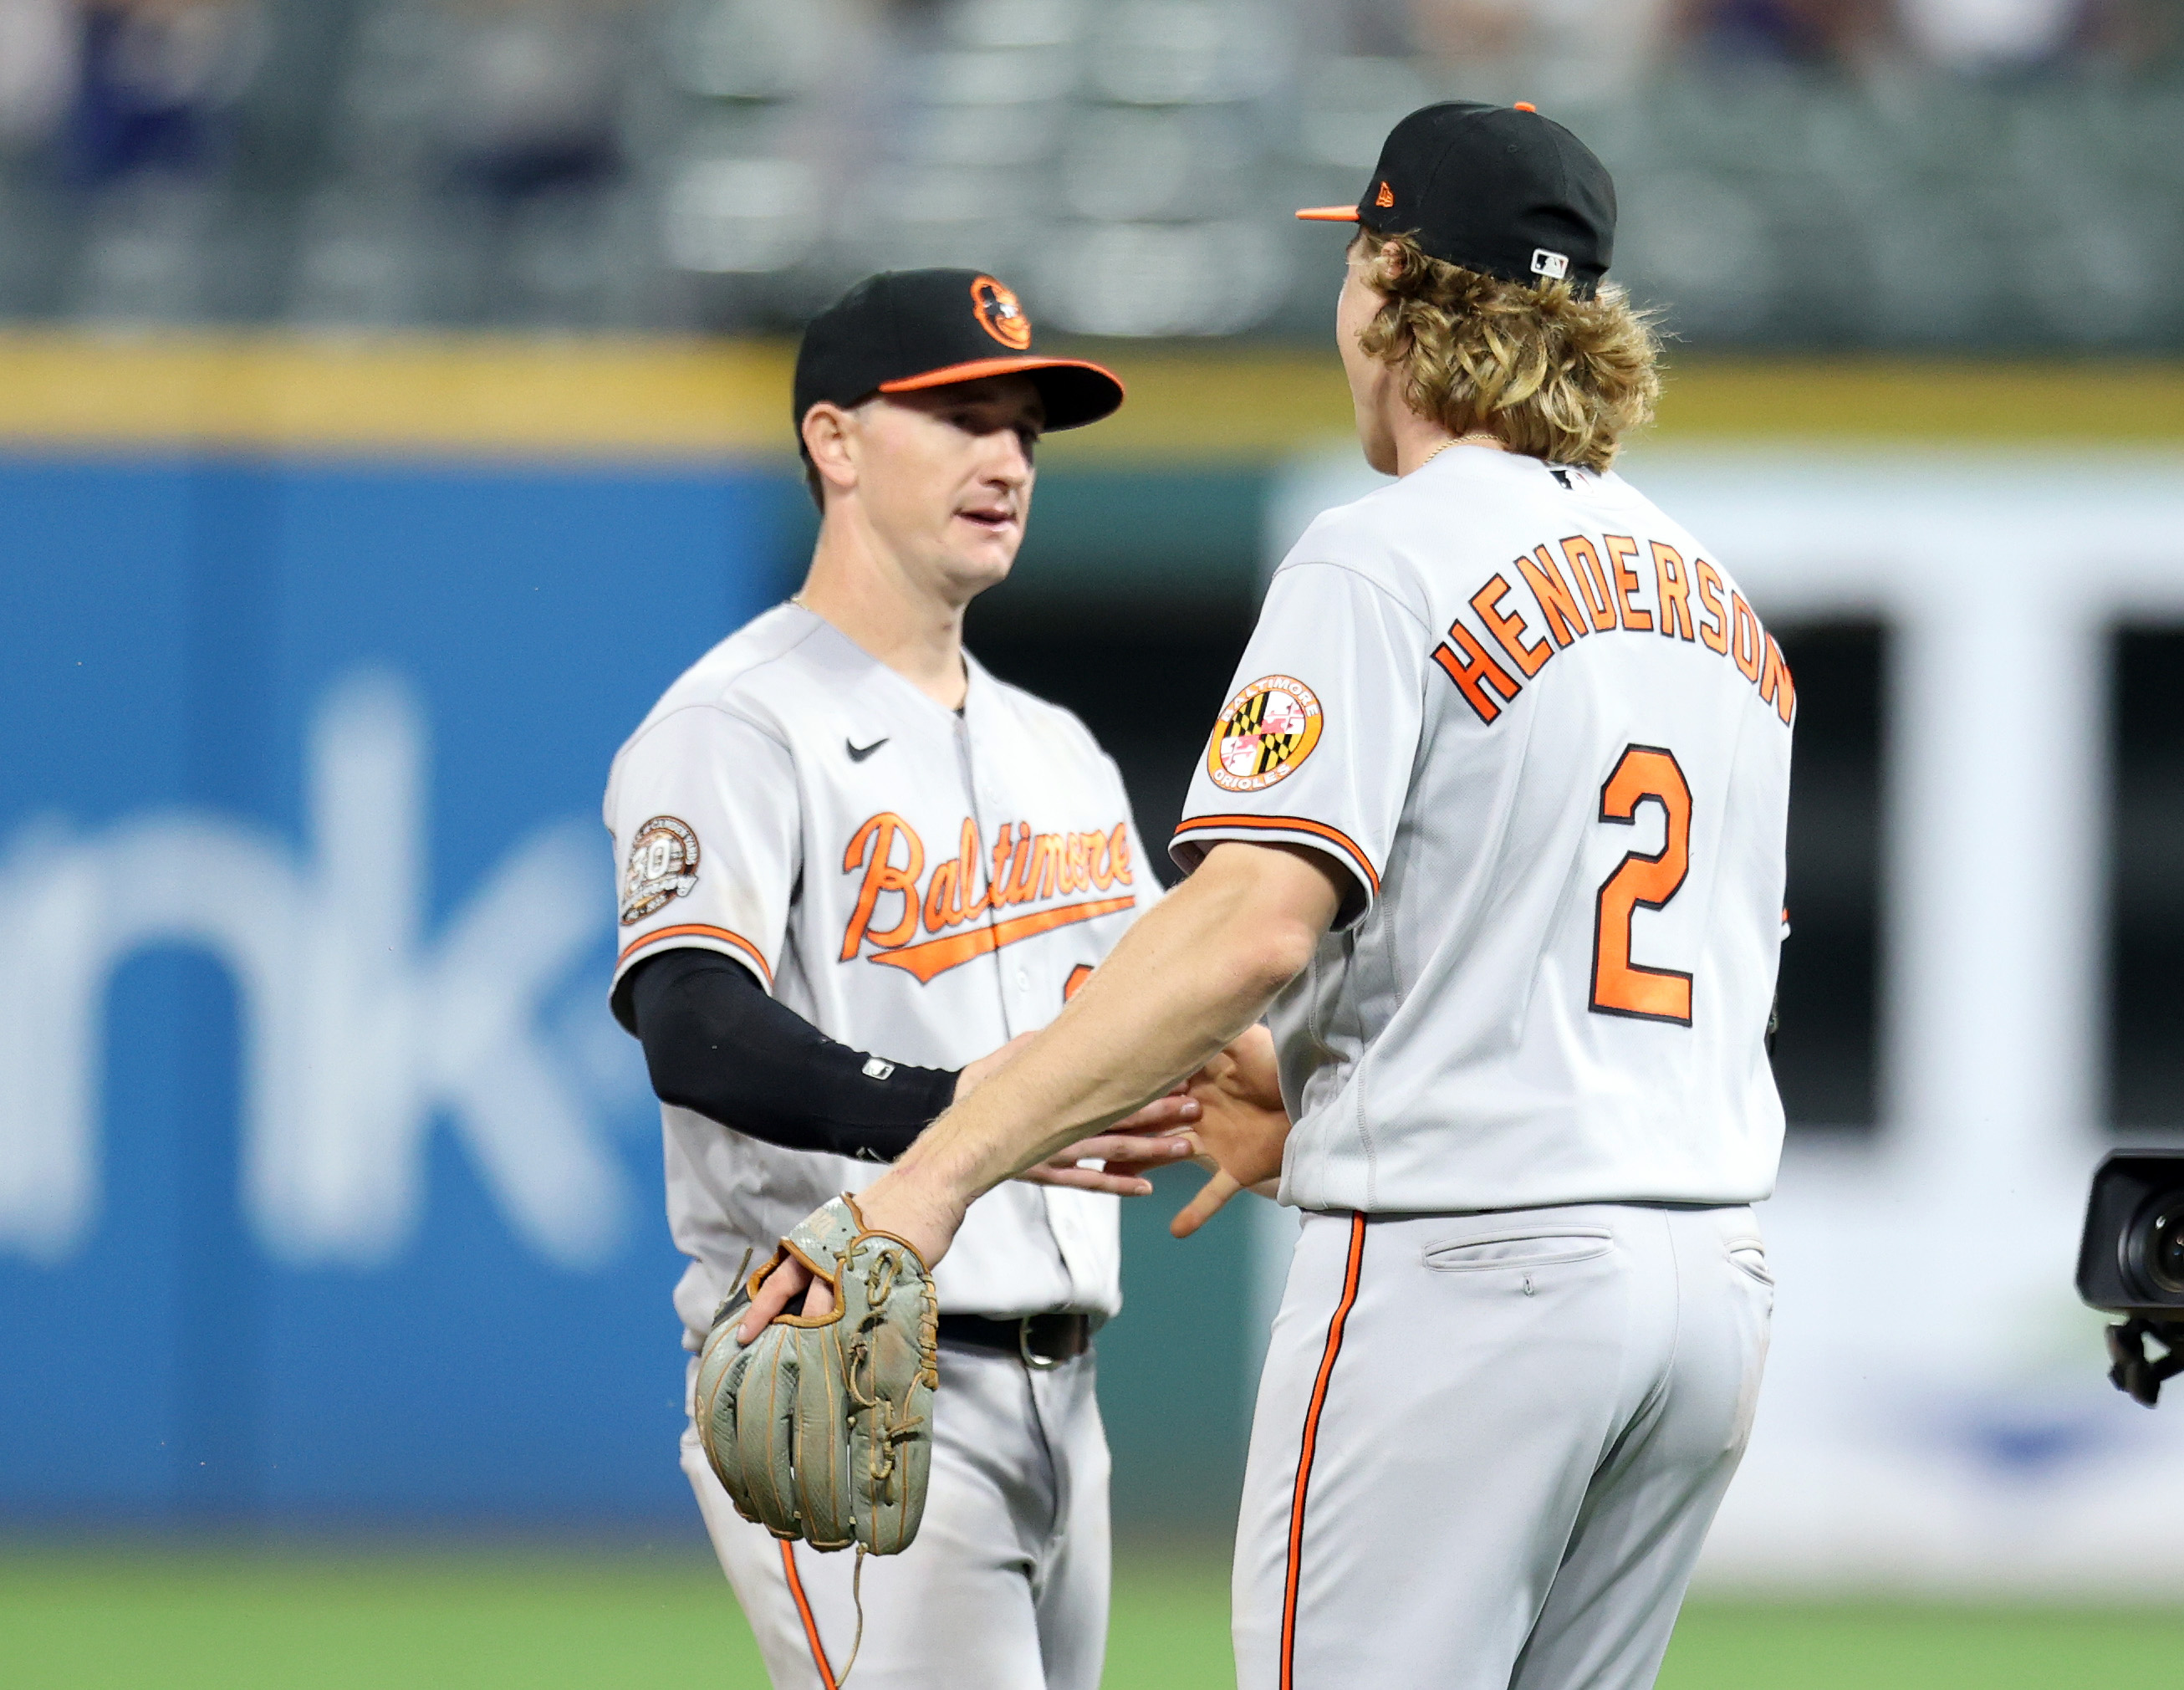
(855, 867)
(1494, 822)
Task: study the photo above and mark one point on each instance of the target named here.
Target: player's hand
(1214, 1195)
(1155, 1137)
(1242, 1126)
(896, 1202)
(1242, 1122)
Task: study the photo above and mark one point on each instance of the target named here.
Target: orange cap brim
(1329, 214)
(948, 374)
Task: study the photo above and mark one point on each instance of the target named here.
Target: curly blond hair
(1555, 375)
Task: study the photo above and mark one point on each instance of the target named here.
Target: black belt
(1044, 1340)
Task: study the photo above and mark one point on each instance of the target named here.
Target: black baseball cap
(1497, 189)
(907, 329)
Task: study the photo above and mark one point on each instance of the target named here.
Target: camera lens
(2156, 1256)
(2165, 1249)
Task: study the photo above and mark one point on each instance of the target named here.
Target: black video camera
(2131, 1263)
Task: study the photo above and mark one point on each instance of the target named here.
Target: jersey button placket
(981, 807)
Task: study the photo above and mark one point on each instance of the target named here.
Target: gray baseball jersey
(1549, 740)
(916, 882)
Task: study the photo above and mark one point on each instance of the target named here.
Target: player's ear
(827, 430)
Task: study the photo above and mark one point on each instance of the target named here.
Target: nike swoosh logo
(859, 753)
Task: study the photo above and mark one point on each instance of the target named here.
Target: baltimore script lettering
(1024, 867)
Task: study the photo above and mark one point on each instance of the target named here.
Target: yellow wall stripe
(636, 399)
(409, 395)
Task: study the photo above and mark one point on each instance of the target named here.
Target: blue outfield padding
(327, 1188)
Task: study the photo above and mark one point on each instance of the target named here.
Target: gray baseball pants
(1488, 1446)
(1006, 1588)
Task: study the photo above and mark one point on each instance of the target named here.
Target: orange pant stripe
(1350, 1279)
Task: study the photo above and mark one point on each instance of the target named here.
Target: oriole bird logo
(1000, 315)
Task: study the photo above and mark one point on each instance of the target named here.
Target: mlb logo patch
(1555, 266)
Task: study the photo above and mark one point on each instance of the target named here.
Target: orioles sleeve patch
(1265, 732)
(662, 866)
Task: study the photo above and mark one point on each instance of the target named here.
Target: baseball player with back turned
(1494, 824)
(855, 867)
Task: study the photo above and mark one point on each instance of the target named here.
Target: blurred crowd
(1794, 170)
(118, 85)
(1625, 37)
(115, 87)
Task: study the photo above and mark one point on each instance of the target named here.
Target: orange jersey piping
(1351, 1274)
(698, 929)
(1292, 824)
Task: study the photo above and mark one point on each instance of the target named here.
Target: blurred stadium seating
(1934, 173)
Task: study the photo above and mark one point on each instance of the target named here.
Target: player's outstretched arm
(1157, 1136)
(1186, 982)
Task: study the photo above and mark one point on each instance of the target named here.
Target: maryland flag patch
(1264, 733)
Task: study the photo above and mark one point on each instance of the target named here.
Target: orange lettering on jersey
(1558, 607)
(1021, 878)
(1675, 588)
(1472, 669)
(1099, 860)
(1713, 635)
(872, 848)
(973, 850)
(940, 892)
(1118, 847)
(1509, 630)
(935, 957)
(1744, 640)
(1024, 866)
(1043, 874)
(949, 899)
(1591, 580)
(1621, 549)
(1609, 594)
(1775, 689)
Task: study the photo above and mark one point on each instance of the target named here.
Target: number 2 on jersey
(1619, 985)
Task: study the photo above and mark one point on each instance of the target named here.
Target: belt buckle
(1032, 1359)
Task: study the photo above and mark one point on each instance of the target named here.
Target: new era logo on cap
(1386, 197)
(1555, 266)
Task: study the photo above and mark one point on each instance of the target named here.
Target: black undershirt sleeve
(716, 1042)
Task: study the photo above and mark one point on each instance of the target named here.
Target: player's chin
(989, 545)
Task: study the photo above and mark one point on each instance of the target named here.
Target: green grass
(105, 1620)
(1902, 1646)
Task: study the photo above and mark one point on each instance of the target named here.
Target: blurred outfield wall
(329, 1192)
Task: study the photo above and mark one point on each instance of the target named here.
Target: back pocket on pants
(1550, 1248)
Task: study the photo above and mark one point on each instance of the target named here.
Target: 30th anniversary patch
(1264, 733)
(662, 866)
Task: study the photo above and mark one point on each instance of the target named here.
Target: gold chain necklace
(1477, 437)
